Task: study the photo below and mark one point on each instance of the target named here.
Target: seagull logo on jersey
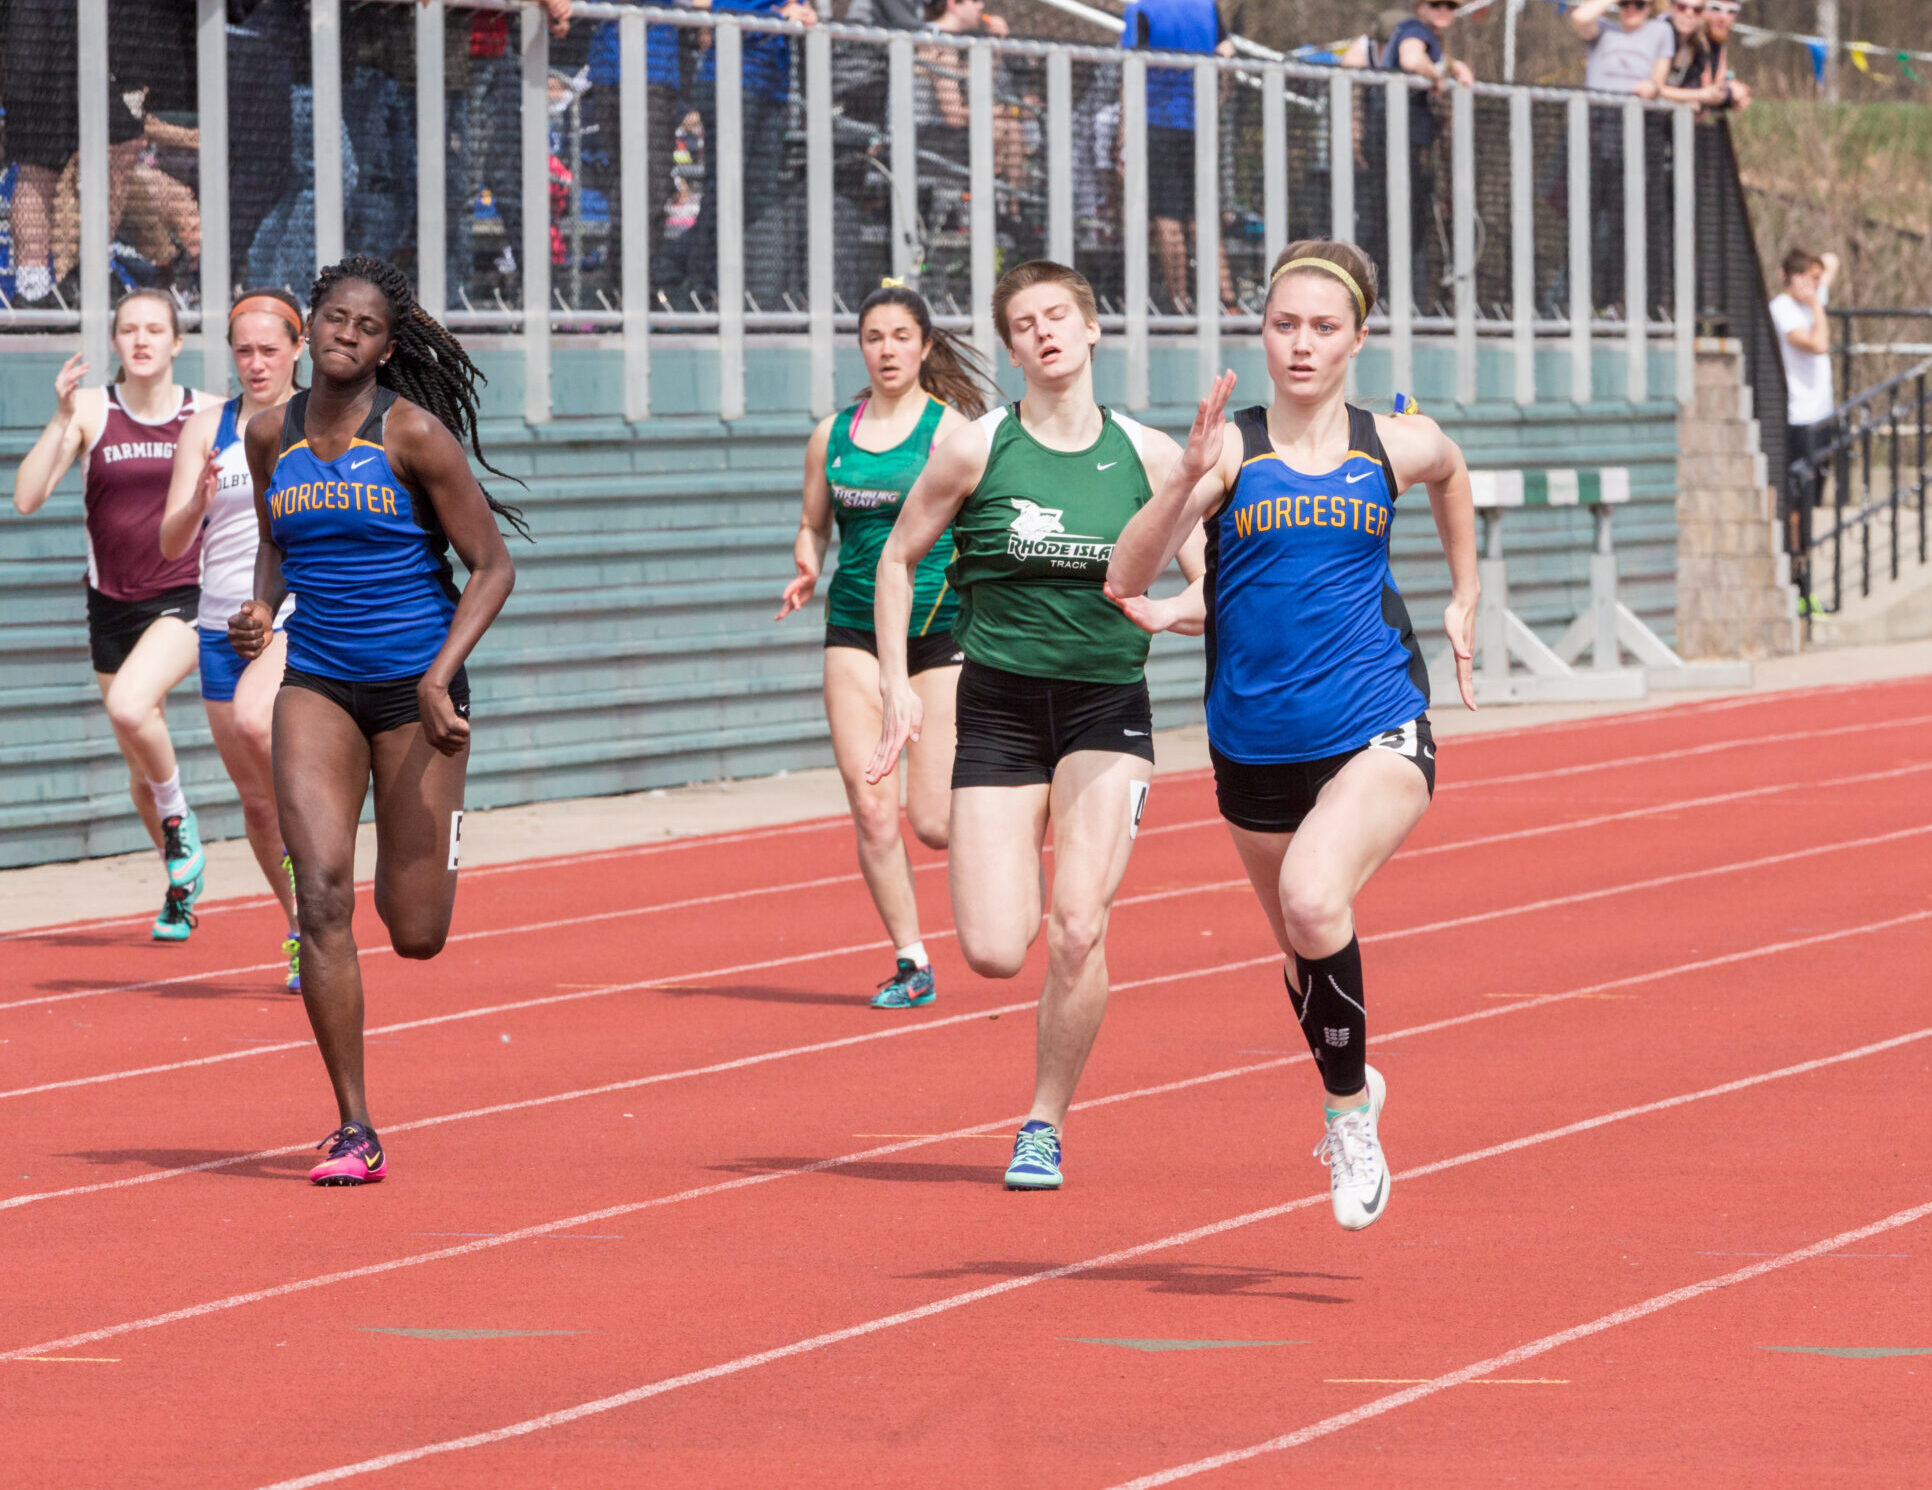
(1037, 533)
(1034, 521)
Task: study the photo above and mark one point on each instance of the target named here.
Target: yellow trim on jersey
(304, 445)
(1277, 455)
(932, 614)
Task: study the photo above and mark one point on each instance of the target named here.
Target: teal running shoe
(1036, 1158)
(908, 988)
(181, 848)
(177, 918)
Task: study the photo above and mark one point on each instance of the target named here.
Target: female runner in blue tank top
(1317, 693)
(360, 494)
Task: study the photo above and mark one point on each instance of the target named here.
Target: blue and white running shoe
(1036, 1158)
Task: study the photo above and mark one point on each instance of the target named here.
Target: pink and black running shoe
(355, 1158)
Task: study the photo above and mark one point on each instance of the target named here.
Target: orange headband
(270, 304)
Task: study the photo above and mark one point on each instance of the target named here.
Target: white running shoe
(1358, 1174)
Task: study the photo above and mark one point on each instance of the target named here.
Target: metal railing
(1872, 453)
(825, 157)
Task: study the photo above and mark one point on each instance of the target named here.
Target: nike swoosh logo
(1106, 465)
(1133, 732)
(1381, 1193)
(357, 465)
(1362, 477)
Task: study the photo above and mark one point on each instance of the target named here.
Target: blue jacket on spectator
(1171, 26)
(660, 56)
(1422, 119)
(768, 59)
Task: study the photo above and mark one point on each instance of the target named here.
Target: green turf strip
(1854, 1352)
(1180, 1344)
(464, 1334)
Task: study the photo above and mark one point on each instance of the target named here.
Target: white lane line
(722, 897)
(1519, 1004)
(1709, 747)
(817, 825)
(1448, 924)
(1521, 1353)
(1047, 1275)
(547, 1228)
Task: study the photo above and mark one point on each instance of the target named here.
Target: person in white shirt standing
(1804, 343)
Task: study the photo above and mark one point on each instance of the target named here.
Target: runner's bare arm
(1418, 450)
(192, 485)
(77, 414)
(428, 461)
(1188, 482)
(951, 473)
(814, 525)
(250, 628)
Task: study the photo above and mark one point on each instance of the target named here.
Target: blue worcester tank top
(1309, 648)
(368, 564)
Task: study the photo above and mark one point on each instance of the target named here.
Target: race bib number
(1136, 805)
(455, 836)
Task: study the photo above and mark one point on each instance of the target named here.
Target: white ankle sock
(915, 954)
(169, 800)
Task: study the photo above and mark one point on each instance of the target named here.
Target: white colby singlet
(230, 533)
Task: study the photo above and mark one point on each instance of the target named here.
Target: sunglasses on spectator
(1690, 10)
(1633, 4)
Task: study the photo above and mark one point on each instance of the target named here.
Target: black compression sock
(1329, 1005)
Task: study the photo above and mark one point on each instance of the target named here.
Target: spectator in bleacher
(1417, 46)
(1174, 26)
(1625, 55)
(766, 78)
(484, 76)
(1804, 345)
(1720, 16)
(664, 49)
(1688, 77)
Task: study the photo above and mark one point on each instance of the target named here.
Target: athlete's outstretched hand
(1182, 614)
(443, 727)
(798, 594)
(1203, 450)
(1459, 620)
(66, 381)
(901, 715)
(250, 628)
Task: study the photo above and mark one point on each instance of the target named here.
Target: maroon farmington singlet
(125, 475)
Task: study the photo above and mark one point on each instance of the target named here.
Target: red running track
(670, 1205)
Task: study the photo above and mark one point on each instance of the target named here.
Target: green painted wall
(639, 651)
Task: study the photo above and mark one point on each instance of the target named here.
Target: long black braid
(428, 365)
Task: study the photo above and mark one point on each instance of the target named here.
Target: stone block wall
(1734, 593)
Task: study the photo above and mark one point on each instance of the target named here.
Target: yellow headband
(1361, 300)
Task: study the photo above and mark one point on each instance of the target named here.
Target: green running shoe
(181, 848)
(908, 988)
(292, 950)
(177, 918)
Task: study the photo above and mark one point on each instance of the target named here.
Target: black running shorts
(1013, 730)
(378, 707)
(1274, 797)
(922, 652)
(114, 626)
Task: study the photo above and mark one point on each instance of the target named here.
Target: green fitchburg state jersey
(868, 488)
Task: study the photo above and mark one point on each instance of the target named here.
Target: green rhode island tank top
(1034, 539)
(868, 489)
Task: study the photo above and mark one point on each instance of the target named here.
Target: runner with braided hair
(362, 488)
